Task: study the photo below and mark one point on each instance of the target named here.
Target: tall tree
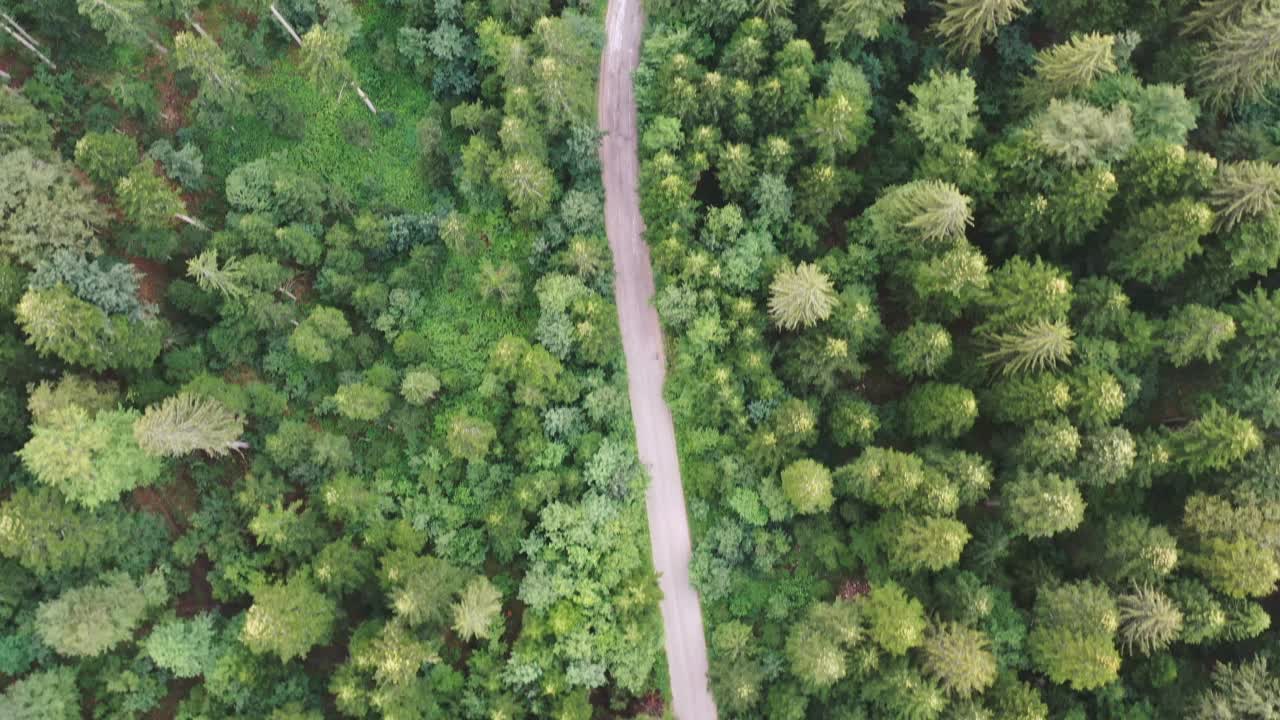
(185, 423)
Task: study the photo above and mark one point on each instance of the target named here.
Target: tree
(106, 157)
(146, 199)
(1079, 134)
(816, 646)
(916, 543)
(1244, 190)
(228, 280)
(921, 213)
(89, 620)
(288, 619)
(1242, 61)
(362, 401)
(883, 477)
(314, 338)
(323, 61)
(1043, 504)
(836, 124)
(1031, 347)
(959, 658)
(23, 127)
(499, 282)
(1195, 332)
(1149, 620)
(184, 647)
(184, 423)
(43, 208)
(1240, 692)
(895, 620)
(222, 84)
(966, 24)
(920, 350)
(1072, 635)
(944, 108)
(111, 286)
(477, 609)
(91, 460)
(1216, 440)
(1074, 65)
(807, 485)
(939, 410)
(470, 438)
(862, 17)
(46, 695)
(51, 537)
(801, 296)
(1158, 242)
(419, 386)
(530, 187)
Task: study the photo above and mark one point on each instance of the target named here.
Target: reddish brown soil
(154, 280)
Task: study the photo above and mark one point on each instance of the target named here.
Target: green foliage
(1149, 620)
(862, 17)
(1043, 504)
(477, 609)
(1196, 332)
(288, 619)
(1075, 65)
(1033, 348)
(91, 460)
(43, 208)
(966, 24)
(111, 287)
(807, 485)
(921, 350)
(47, 695)
(146, 199)
(22, 126)
(185, 648)
(1072, 635)
(959, 658)
(939, 410)
(58, 323)
(106, 157)
(895, 620)
(89, 620)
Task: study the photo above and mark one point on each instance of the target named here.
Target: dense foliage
(313, 400)
(974, 321)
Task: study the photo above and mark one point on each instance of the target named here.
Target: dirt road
(646, 365)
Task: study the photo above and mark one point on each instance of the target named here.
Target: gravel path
(646, 365)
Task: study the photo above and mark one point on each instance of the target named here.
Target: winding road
(646, 365)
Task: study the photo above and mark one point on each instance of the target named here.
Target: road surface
(646, 365)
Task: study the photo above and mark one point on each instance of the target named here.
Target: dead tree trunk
(285, 24)
(15, 30)
(191, 221)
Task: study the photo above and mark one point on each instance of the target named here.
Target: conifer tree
(801, 297)
(478, 606)
(1074, 65)
(184, 423)
(959, 658)
(966, 24)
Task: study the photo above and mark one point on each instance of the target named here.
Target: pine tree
(1072, 635)
(916, 543)
(1242, 61)
(46, 695)
(944, 108)
(862, 17)
(1032, 347)
(1245, 190)
(89, 620)
(895, 620)
(801, 297)
(1149, 620)
(1043, 504)
(322, 59)
(1075, 65)
(92, 461)
(477, 608)
(43, 208)
(966, 24)
(184, 423)
(221, 83)
(920, 350)
(146, 199)
(228, 280)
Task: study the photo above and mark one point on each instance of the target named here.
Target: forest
(975, 353)
(314, 401)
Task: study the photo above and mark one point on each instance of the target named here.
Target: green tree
(23, 127)
(836, 124)
(419, 385)
(1079, 134)
(920, 350)
(184, 423)
(1072, 638)
(146, 199)
(1244, 190)
(470, 438)
(1160, 239)
(1042, 504)
(1195, 332)
(49, 536)
(966, 24)
(106, 157)
(1242, 62)
(43, 208)
(91, 460)
(895, 620)
(959, 658)
(862, 17)
(1216, 440)
(185, 647)
(322, 59)
(222, 84)
(46, 695)
(944, 107)
(499, 282)
(1075, 65)
(529, 185)
(916, 543)
(89, 620)
(229, 280)
(315, 337)
(939, 410)
(807, 485)
(801, 297)
(477, 609)
(816, 646)
(362, 401)
(288, 619)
